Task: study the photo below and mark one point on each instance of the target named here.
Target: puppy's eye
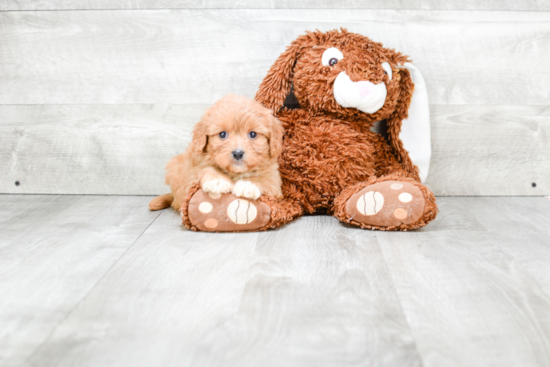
(222, 135)
(252, 135)
(387, 69)
(331, 56)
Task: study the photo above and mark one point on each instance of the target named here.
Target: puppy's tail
(161, 202)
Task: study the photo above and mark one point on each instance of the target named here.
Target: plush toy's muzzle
(364, 95)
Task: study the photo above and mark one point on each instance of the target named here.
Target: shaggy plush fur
(329, 152)
(210, 160)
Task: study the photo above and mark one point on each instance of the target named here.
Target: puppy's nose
(237, 154)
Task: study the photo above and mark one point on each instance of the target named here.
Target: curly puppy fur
(210, 161)
(329, 152)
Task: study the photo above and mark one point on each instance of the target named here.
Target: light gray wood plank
(477, 297)
(474, 287)
(123, 149)
(528, 215)
(503, 215)
(92, 149)
(53, 250)
(307, 294)
(490, 150)
(196, 56)
(273, 4)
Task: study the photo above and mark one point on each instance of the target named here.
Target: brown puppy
(235, 148)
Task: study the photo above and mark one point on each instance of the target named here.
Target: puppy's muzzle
(237, 154)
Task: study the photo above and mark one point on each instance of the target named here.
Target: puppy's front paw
(217, 186)
(246, 189)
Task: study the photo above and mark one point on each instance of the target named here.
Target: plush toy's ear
(278, 81)
(200, 138)
(409, 127)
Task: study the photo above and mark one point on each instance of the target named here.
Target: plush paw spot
(211, 223)
(396, 186)
(405, 197)
(370, 203)
(400, 213)
(215, 196)
(241, 211)
(205, 207)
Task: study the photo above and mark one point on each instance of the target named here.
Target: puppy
(234, 149)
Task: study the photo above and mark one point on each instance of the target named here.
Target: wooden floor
(101, 281)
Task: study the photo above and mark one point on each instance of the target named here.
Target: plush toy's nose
(364, 88)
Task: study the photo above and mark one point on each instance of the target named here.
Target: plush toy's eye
(387, 69)
(222, 135)
(252, 135)
(331, 56)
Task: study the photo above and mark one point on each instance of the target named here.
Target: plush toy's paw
(246, 189)
(217, 186)
(226, 213)
(386, 204)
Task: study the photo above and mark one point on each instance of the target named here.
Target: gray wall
(96, 96)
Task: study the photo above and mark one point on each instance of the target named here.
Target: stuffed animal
(332, 161)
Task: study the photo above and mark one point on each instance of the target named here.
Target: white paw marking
(396, 186)
(246, 189)
(241, 211)
(205, 207)
(216, 186)
(370, 203)
(405, 197)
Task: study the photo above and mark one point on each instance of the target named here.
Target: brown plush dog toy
(331, 161)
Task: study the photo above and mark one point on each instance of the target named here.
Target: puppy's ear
(200, 137)
(278, 81)
(275, 136)
(409, 127)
